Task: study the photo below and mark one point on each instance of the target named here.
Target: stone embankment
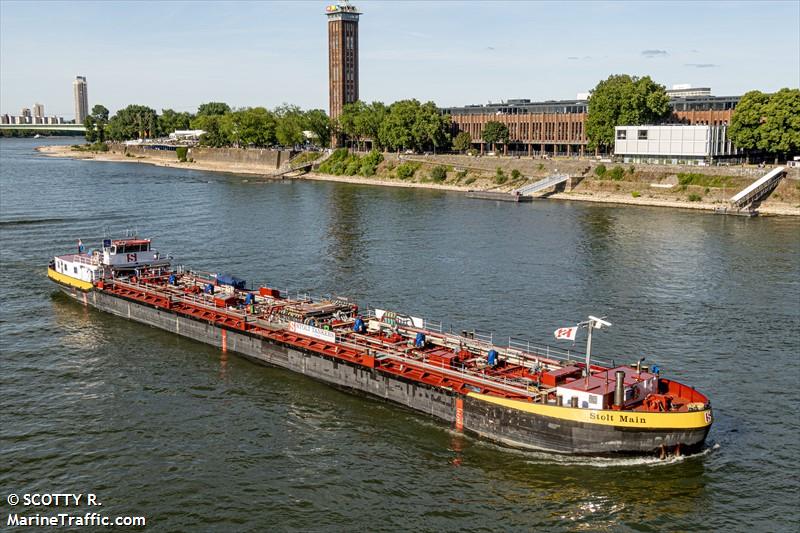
(688, 187)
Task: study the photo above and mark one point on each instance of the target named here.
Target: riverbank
(640, 185)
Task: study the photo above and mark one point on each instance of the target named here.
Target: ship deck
(387, 342)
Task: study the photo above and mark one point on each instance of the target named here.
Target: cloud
(701, 65)
(654, 53)
(573, 58)
(490, 47)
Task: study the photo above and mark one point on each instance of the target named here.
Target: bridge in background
(44, 127)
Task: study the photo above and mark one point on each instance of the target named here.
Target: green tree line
(223, 126)
(404, 124)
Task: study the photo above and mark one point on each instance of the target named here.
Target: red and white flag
(566, 333)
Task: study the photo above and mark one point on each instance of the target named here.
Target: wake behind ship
(521, 394)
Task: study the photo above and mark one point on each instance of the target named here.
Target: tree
(91, 131)
(495, 132)
(623, 100)
(289, 128)
(95, 124)
(213, 108)
(317, 122)
(462, 142)
(350, 121)
(170, 121)
(746, 119)
(767, 122)
(252, 126)
(396, 131)
(368, 123)
(431, 128)
(212, 126)
(100, 113)
(134, 121)
(780, 131)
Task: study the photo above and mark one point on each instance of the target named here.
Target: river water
(192, 439)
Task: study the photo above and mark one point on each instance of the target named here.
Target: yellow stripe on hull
(63, 279)
(624, 419)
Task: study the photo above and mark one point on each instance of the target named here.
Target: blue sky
(180, 54)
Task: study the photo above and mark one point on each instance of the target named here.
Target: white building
(682, 90)
(672, 144)
(186, 135)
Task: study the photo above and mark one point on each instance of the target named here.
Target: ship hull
(512, 423)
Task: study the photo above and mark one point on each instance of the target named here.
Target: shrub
(616, 173)
(500, 177)
(631, 170)
(515, 174)
(695, 197)
(407, 170)
(540, 167)
(370, 162)
(461, 175)
(181, 152)
(439, 173)
(352, 167)
(600, 170)
(335, 164)
(473, 152)
(636, 194)
(469, 180)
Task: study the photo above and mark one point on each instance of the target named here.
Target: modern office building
(684, 89)
(342, 56)
(38, 110)
(672, 143)
(557, 127)
(81, 97)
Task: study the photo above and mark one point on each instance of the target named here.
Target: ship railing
(85, 260)
(510, 385)
(463, 375)
(433, 325)
(527, 348)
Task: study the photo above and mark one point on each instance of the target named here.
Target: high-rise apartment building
(342, 56)
(38, 110)
(81, 96)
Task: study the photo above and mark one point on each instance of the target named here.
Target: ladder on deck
(546, 183)
(757, 192)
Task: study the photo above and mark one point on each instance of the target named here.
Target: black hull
(501, 424)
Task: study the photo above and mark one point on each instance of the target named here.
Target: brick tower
(342, 56)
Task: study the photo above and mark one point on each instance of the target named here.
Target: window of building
(622, 135)
(642, 135)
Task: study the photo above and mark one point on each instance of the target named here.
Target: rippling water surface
(192, 439)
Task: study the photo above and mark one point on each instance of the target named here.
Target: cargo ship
(520, 394)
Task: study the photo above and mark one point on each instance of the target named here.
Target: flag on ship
(566, 333)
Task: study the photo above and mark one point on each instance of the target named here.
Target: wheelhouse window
(642, 135)
(622, 135)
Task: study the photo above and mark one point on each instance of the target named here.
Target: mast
(592, 323)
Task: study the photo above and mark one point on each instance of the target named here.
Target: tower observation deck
(342, 56)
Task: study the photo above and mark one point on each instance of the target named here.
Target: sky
(180, 54)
